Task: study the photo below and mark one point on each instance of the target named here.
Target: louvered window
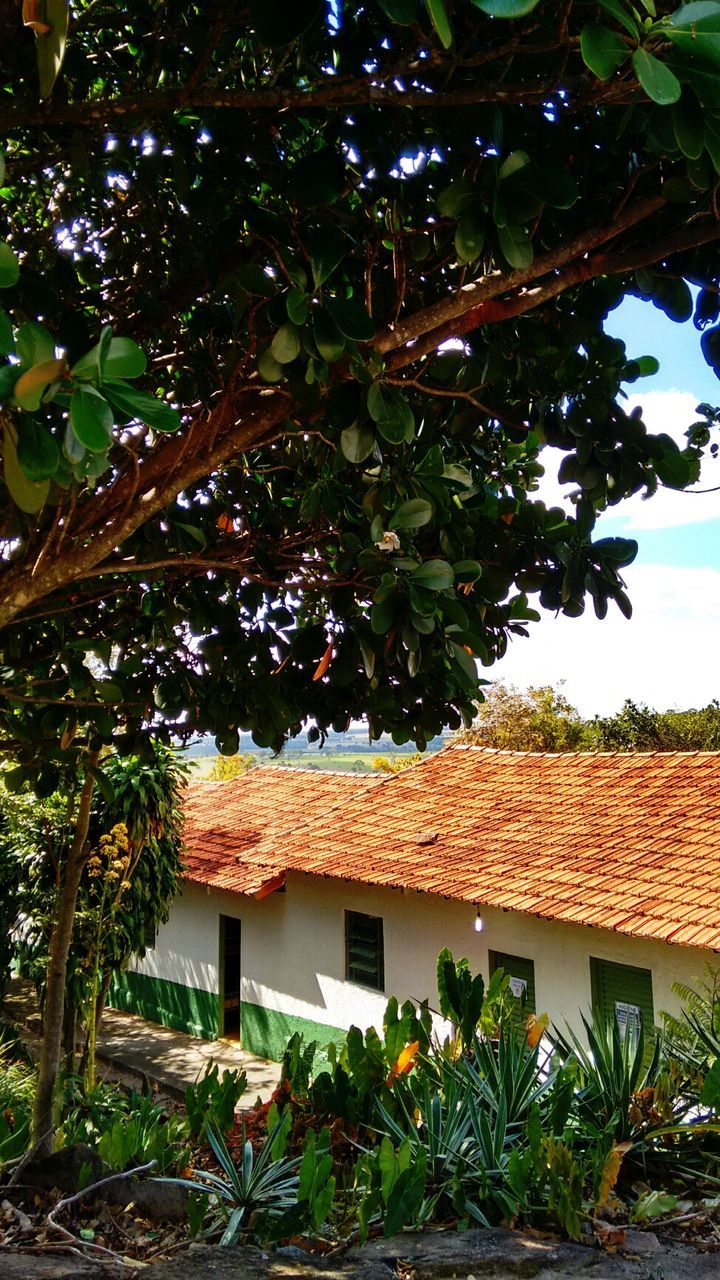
(623, 992)
(364, 950)
(521, 973)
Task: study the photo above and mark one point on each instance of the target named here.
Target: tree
(395, 764)
(534, 719)
(225, 768)
(126, 884)
(291, 214)
(637, 727)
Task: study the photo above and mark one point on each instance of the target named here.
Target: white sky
(667, 654)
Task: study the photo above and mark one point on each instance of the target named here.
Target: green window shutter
(519, 970)
(618, 990)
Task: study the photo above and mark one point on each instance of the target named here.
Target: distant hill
(354, 742)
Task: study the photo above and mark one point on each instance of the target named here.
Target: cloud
(665, 655)
(671, 412)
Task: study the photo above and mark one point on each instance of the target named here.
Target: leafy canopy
(310, 503)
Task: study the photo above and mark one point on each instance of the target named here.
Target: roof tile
(620, 841)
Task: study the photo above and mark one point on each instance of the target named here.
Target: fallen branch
(81, 1195)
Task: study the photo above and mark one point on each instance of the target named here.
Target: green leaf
(35, 345)
(438, 16)
(26, 494)
(124, 359)
(37, 450)
(620, 551)
(434, 575)
(689, 125)
(253, 278)
(467, 570)
(412, 515)
(319, 178)
(406, 1197)
(352, 319)
(104, 785)
(285, 346)
(7, 338)
(91, 419)
(141, 407)
(357, 442)
(674, 469)
(617, 11)
(50, 49)
(603, 50)
(389, 408)
(296, 305)
(506, 8)
(227, 742)
(9, 374)
(404, 12)
(710, 1096)
(464, 661)
(269, 368)
(554, 187)
(456, 199)
(38, 384)
(695, 28)
(108, 691)
(516, 161)
(328, 338)
(469, 237)
(9, 267)
(516, 246)
(327, 250)
(658, 81)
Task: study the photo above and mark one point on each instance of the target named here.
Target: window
(623, 992)
(521, 973)
(364, 950)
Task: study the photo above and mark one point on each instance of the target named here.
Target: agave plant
(260, 1187)
(613, 1070)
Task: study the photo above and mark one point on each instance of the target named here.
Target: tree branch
(350, 93)
(494, 312)
(234, 425)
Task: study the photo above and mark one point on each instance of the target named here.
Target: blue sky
(667, 654)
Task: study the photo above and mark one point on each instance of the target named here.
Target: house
(309, 897)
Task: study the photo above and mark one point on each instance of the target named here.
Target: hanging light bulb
(479, 923)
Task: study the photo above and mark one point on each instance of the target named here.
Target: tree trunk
(60, 940)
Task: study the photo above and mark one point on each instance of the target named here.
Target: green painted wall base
(170, 1003)
(263, 1031)
(266, 1032)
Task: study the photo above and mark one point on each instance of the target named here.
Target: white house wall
(293, 956)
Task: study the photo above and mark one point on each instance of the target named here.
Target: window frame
(379, 941)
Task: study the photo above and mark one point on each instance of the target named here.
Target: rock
(153, 1198)
(63, 1169)
(644, 1244)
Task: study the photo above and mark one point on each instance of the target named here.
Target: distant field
(355, 761)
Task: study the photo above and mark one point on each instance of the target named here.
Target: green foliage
(212, 1100)
(125, 1128)
(17, 1090)
(292, 326)
(637, 727)
(251, 1197)
(535, 719)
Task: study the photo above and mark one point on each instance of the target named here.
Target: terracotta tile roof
(629, 842)
(236, 832)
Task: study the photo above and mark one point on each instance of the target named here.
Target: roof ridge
(589, 754)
